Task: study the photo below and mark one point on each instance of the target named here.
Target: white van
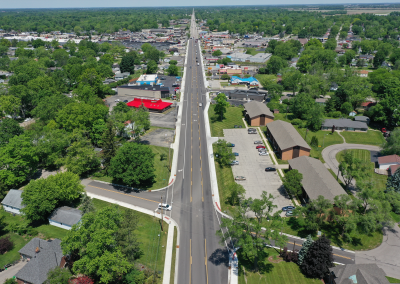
(164, 206)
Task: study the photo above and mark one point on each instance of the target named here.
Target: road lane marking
(190, 266)
(333, 253)
(205, 248)
(124, 194)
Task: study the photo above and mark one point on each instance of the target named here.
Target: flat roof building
(150, 92)
(344, 124)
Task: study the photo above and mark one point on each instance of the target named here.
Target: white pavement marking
(170, 239)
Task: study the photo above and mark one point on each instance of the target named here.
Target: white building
(386, 161)
(13, 201)
(65, 217)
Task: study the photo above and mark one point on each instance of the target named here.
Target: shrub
(290, 256)
(10, 281)
(5, 245)
(225, 77)
(297, 121)
(314, 141)
(335, 114)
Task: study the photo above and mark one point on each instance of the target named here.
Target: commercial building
(152, 92)
(153, 105)
(344, 124)
(65, 217)
(12, 203)
(258, 114)
(245, 81)
(317, 180)
(286, 141)
(147, 79)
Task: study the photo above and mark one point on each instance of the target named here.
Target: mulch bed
(271, 259)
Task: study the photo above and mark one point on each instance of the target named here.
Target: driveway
(252, 166)
(11, 271)
(159, 137)
(329, 154)
(386, 256)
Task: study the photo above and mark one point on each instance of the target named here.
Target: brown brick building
(258, 114)
(286, 141)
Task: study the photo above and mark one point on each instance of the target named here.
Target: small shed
(12, 203)
(65, 217)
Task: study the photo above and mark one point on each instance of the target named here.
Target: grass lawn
(233, 116)
(368, 138)
(392, 280)
(277, 273)
(13, 255)
(162, 172)
(153, 241)
(364, 155)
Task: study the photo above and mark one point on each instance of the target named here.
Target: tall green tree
(110, 144)
(8, 129)
(221, 106)
(81, 157)
(223, 153)
(393, 182)
(133, 165)
(292, 182)
(93, 245)
(126, 237)
(392, 144)
(304, 249)
(58, 275)
(152, 67)
(352, 168)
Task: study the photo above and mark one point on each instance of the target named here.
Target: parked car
(384, 130)
(263, 154)
(125, 101)
(251, 132)
(262, 150)
(164, 206)
(234, 163)
(163, 78)
(288, 208)
(231, 145)
(240, 178)
(260, 147)
(117, 100)
(258, 142)
(235, 153)
(289, 213)
(270, 169)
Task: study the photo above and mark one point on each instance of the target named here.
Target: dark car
(235, 154)
(163, 78)
(260, 147)
(270, 169)
(288, 208)
(231, 145)
(175, 85)
(258, 142)
(125, 101)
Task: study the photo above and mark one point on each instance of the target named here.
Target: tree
(275, 64)
(225, 77)
(247, 230)
(128, 63)
(61, 56)
(314, 141)
(58, 275)
(301, 105)
(133, 165)
(217, 53)
(172, 70)
(318, 259)
(42, 196)
(330, 44)
(223, 153)
(93, 245)
(304, 249)
(173, 62)
(390, 147)
(152, 67)
(5, 244)
(313, 42)
(135, 276)
(18, 161)
(81, 157)
(110, 144)
(9, 105)
(314, 120)
(10, 281)
(49, 106)
(346, 108)
(393, 182)
(221, 106)
(87, 205)
(8, 129)
(291, 79)
(379, 58)
(98, 128)
(126, 238)
(237, 192)
(351, 168)
(121, 107)
(292, 182)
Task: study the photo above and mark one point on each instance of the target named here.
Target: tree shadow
(264, 266)
(220, 257)
(298, 225)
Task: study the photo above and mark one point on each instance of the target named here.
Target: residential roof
(391, 159)
(320, 100)
(368, 273)
(393, 168)
(255, 108)
(66, 215)
(13, 199)
(44, 255)
(285, 135)
(317, 180)
(344, 122)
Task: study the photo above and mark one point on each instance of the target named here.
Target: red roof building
(157, 105)
(386, 161)
(393, 169)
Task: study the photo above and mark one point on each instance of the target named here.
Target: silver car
(262, 150)
(235, 163)
(263, 154)
(258, 142)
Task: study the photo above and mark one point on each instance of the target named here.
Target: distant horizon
(100, 4)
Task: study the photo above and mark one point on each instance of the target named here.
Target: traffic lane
(148, 200)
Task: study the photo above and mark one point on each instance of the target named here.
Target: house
(362, 73)
(258, 114)
(150, 79)
(368, 273)
(392, 169)
(353, 113)
(150, 92)
(366, 57)
(385, 162)
(42, 256)
(108, 81)
(286, 141)
(321, 101)
(247, 95)
(344, 124)
(121, 76)
(13, 202)
(362, 118)
(317, 180)
(65, 217)
(367, 105)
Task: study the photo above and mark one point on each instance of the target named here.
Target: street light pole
(162, 215)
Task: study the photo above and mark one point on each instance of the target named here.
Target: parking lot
(164, 120)
(252, 166)
(159, 137)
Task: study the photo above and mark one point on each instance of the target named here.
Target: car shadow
(220, 257)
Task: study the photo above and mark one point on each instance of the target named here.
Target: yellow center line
(190, 266)
(205, 258)
(124, 194)
(333, 254)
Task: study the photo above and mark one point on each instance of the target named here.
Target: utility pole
(162, 215)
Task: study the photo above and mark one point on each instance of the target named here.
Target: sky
(4, 4)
